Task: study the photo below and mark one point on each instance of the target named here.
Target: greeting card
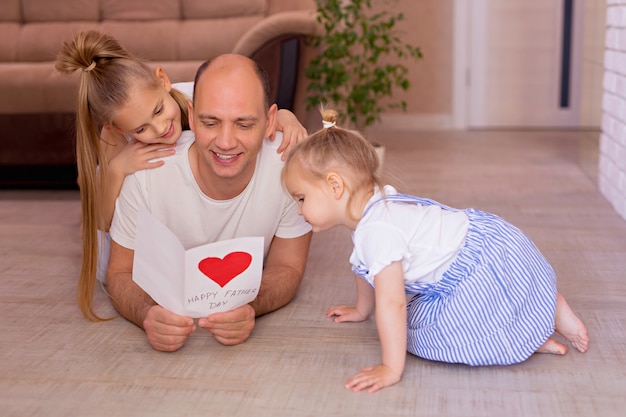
(199, 281)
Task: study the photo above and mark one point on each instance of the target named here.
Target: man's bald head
(227, 63)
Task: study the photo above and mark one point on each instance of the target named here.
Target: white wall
(612, 162)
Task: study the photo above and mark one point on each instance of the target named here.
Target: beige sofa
(37, 103)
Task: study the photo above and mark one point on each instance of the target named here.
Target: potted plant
(359, 61)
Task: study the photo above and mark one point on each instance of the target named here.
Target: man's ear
(162, 76)
(271, 121)
(190, 115)
(336, 184)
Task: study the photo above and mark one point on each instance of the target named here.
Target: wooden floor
(55, 363)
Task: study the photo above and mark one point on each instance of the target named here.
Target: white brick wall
(612, 163)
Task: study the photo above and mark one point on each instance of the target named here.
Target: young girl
(481, 293)
(128, 116)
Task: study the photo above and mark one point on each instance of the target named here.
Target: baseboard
(415, 121)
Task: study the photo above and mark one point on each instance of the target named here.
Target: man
(222, 185)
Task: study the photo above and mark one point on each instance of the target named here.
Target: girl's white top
(425, 238)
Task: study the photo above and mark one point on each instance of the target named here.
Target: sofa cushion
(39, 42)
(30, 84)
(36, 88)
(10, 11)
(9, 33)
(198, 39)
(202, 9)
(60, 11)
(141, 9)
(158, 40)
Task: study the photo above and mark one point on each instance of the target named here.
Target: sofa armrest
(276, 43)
(279, 25)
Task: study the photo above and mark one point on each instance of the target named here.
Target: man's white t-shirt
(172, 195)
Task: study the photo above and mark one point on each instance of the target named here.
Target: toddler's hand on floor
(345, 313)
(374, 378)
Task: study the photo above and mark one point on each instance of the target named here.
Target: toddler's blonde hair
(340, 150)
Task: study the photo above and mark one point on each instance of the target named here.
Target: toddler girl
(480, 291)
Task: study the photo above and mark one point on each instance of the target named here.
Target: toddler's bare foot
(570, 326)
(552, 346)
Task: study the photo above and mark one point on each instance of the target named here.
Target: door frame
(469, 56)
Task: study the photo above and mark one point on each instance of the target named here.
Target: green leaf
(348, 71)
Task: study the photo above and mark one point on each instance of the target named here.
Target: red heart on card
(222, 271)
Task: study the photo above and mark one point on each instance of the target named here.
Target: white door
(524, 63)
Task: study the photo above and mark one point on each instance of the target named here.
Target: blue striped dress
(494, 304)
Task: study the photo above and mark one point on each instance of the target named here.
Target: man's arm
(165, 330)
(126, 296)
(282, 273)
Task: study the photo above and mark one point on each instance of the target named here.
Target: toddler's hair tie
(90, 67)
(328, 124)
